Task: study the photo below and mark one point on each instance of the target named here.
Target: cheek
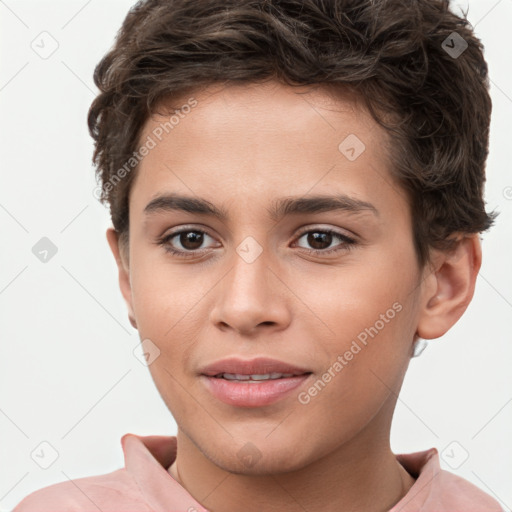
(370, 314)
(362, 377)
(160, 296)
(172, 304)
(350, 299)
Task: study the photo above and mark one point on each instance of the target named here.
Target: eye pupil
(193, 237)
(315, 238)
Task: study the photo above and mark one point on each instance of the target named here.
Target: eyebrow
(280, 207)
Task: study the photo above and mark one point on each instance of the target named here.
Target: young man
(296, 196)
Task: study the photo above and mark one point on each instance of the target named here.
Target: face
(310, 263)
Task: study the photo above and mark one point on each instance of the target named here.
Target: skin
(241, 148)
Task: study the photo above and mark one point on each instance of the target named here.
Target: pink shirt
(145, 485)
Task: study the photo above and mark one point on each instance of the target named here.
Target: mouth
(251, 378)
(252, 383)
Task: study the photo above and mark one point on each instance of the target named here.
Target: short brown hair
(395, 54)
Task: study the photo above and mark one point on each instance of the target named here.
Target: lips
(253, 383)
(257, 366)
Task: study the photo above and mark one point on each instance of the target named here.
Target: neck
(362, 476)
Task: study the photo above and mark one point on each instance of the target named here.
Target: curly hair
(417, 66)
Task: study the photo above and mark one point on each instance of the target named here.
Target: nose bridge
(247, 296)
(249, 278)
(251, 256)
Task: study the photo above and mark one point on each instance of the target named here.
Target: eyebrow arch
(318, 204)
(280, 207)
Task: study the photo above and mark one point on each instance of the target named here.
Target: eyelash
(348, 244)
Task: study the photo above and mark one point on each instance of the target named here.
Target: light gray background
(68, 373)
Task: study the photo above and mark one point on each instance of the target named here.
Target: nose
(252, 297)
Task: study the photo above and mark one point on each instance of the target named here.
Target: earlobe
(123, 272)
(450, 288)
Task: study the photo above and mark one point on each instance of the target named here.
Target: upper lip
(257, 366)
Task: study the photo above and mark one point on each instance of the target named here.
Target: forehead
(256, 140)
(269, 106)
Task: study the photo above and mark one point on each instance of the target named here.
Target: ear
(124, 272)
(448, 290)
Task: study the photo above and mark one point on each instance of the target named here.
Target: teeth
(235, 376)
(255, 377)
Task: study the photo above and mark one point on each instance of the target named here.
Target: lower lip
(252, 394)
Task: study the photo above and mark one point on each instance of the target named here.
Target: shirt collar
(148, 457)
(424, 467)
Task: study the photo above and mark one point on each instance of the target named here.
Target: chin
(259, 456)
(268, 463)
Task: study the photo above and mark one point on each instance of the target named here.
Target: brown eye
(320, 240)
(191, 240)
(185, 243)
